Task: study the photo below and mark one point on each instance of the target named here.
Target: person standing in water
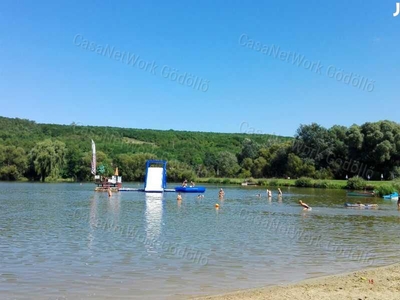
(279, 192)
(306, 206)
(179, 197)
(221, 193)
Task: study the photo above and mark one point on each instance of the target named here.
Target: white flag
(93, 158)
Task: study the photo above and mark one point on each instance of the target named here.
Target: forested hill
(193, 150)
(39, 151)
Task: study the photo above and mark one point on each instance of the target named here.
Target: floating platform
(196, 189)
(155, 181)
(131, 190)
(142, 190)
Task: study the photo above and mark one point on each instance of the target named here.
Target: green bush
(369, 187)
(304, 182)
(226, 181)
(356, 183)
(262, 182)
(244, 174)
(213, 180)
(396, 184)
(321, 184)
(332, 185)
(273, 182)
(324, 174)
(385, 190)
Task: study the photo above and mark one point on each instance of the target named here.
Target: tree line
(43, 152)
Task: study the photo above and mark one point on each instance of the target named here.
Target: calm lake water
(65, 241)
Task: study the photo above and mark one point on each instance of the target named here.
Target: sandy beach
(376, 283)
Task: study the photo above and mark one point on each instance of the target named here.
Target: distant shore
(381, 283)
(254, 182)
(280, 182)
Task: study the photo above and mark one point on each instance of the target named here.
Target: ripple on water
(64, 240)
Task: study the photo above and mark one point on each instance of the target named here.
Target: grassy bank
(380, 187)
(385, 186)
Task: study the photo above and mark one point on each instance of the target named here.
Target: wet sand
(372, 284)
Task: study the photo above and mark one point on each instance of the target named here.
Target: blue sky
(49, 73)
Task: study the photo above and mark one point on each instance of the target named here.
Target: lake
(65, 241)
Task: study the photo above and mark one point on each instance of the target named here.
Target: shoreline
(357, 285)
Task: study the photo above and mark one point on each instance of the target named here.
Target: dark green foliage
(37, 151)
(356, 183)
(304, 182)
(262, 182)
(13, 162)
(273, 182)
(321, 184)
(385, 190)
(48, 158)
(226, 181)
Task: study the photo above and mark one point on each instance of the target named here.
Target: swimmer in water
(179, 197)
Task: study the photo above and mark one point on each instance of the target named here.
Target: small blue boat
(196, 189)
(393, 196)
(361, 194)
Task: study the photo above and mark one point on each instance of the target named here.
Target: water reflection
(153, 215)
(93, 219)
(248, 242)
(114, 204)
(93, 214)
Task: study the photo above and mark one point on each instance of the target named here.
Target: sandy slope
(355, 285)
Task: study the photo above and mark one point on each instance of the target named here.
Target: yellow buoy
(217, 205)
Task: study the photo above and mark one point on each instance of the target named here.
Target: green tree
(132, 166)
(47, 158)
(227, 164)
(247, 164)
(249, 150)
(177, 171)
(258, 167)
(73, 164)
(13, 162)
(294, 165)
